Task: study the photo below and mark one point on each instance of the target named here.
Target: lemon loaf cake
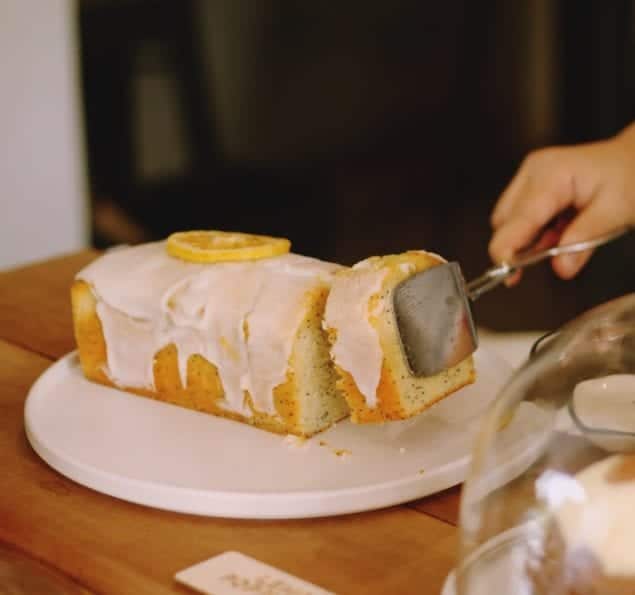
(372, 373)
(234, 325)
(243, 340)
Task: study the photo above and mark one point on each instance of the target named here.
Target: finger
(531, 213)
(506, 202)
(514, 279)
(568, 266)
(510, 238)
(591, 222)
(535, 211)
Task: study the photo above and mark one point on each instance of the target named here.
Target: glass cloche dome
(549, 504)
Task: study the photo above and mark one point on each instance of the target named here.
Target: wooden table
(84, 542)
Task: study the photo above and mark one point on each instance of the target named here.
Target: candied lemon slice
(220, 246)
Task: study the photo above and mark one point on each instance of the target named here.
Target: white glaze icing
(147, 300)
(356, 348)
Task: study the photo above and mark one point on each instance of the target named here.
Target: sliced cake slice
(372, 372)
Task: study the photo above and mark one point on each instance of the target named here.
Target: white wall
(43, 196)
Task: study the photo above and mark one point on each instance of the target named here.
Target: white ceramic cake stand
(164, 456)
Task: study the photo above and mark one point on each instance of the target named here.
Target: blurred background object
(353, 128)
(43, 204)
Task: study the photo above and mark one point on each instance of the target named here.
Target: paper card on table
(233, 573)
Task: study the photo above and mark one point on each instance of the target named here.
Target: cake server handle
(497, 274)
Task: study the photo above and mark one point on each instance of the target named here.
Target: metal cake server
(432, 308)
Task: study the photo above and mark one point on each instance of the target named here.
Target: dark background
(354, 128)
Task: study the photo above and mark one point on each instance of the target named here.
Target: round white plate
(164, 456)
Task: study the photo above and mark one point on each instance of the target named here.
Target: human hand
(596, 180)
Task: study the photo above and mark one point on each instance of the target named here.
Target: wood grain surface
(22, 575)
(35, 308)
(443, 506)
